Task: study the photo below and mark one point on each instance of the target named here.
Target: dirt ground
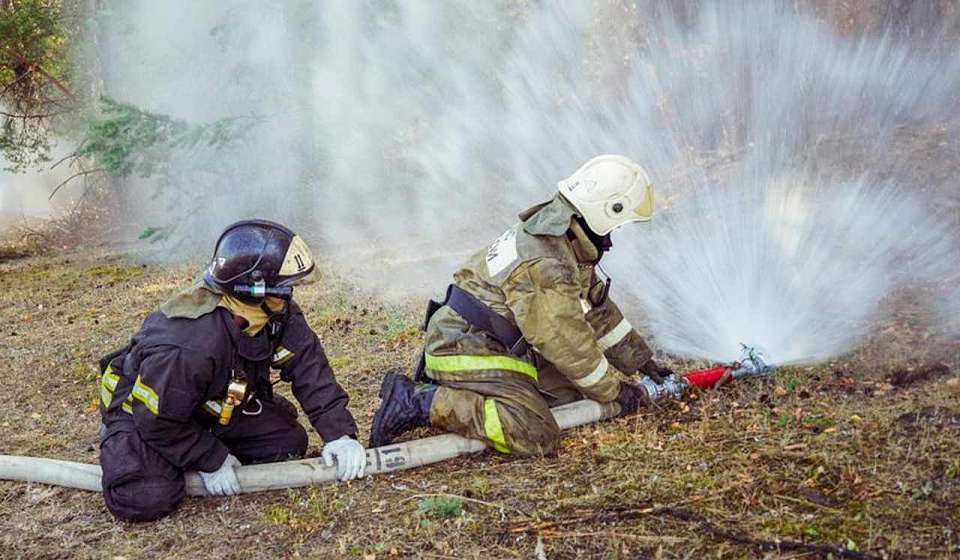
(860, 453)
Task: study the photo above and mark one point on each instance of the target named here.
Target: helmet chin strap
(591, 246)
(276, 320)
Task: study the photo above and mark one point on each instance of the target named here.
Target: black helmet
(258, 258)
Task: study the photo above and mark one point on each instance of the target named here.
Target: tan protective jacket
(543, 279)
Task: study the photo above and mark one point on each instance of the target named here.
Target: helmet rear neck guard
(609, 191)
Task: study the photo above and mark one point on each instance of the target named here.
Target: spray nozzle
(752, 363)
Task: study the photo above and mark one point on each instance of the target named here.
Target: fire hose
(389, 458)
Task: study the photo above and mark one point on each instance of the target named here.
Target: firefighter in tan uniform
(528, 324)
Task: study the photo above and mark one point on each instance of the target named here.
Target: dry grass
(831, 455)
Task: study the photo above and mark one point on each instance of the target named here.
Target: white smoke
(398, 135)
(24, 197)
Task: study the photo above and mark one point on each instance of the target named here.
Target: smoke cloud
(799, 165)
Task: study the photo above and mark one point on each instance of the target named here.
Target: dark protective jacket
(172, 378)
(540, 275)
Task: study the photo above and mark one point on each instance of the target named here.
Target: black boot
(404, 405)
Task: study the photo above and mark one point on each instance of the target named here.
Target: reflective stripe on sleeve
(108, 384)
(280, 356)
(492, 427)
(106, 395)
(467, 363)
(585, 305)
(614, 337)
(143, 393)
(595, 376)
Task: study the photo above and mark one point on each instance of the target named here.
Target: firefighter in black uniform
(192, 391)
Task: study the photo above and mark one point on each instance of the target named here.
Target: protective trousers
(512, 415)
(140, 485)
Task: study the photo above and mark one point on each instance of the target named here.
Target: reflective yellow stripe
(212, 407)
(585, 305)
(466, 363)
(110, 379)
(492, 427)
(106, 395)
(595, 376)
(614, 337)
(143, 393)
(127, 408)
(108, 384)
(280, 356)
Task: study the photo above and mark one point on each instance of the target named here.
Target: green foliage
(32, 34)
(440, 506)
(123, 139)
(153, 234)
(34, 83)
(310, 508)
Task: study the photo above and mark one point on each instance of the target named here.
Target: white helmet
(609, 191)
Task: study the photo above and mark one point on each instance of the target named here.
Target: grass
(826, 455)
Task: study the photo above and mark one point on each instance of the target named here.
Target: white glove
(350, 455)
(223, 481)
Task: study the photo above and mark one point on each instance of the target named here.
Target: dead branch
(30, 65)
(74, 176)
(65, 158)
(18, 79)
(26, 116)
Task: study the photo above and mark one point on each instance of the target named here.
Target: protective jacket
(173, 375)
(540, 275)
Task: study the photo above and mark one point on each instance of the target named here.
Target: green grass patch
(308, 509)
(444, 507)
(115, 272)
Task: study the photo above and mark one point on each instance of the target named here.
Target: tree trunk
(101, 82)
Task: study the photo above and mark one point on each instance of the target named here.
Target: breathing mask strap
(583, 246)
(276, 319)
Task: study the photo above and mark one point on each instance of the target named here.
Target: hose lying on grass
(292, 474)
(407, 455)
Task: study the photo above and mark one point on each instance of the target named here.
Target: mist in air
(805, 170)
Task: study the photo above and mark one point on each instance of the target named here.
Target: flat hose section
(304, 472)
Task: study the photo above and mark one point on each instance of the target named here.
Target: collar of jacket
(548, 218)
(556, 218)
(254, 348)
(200, 299)
(192, 302)
(583, 247)
(254, 315)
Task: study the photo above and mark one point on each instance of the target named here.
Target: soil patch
(911, 376)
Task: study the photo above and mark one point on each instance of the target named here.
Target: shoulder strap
(479, 315)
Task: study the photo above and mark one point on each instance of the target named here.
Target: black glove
(655, 372)
(630, 398)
